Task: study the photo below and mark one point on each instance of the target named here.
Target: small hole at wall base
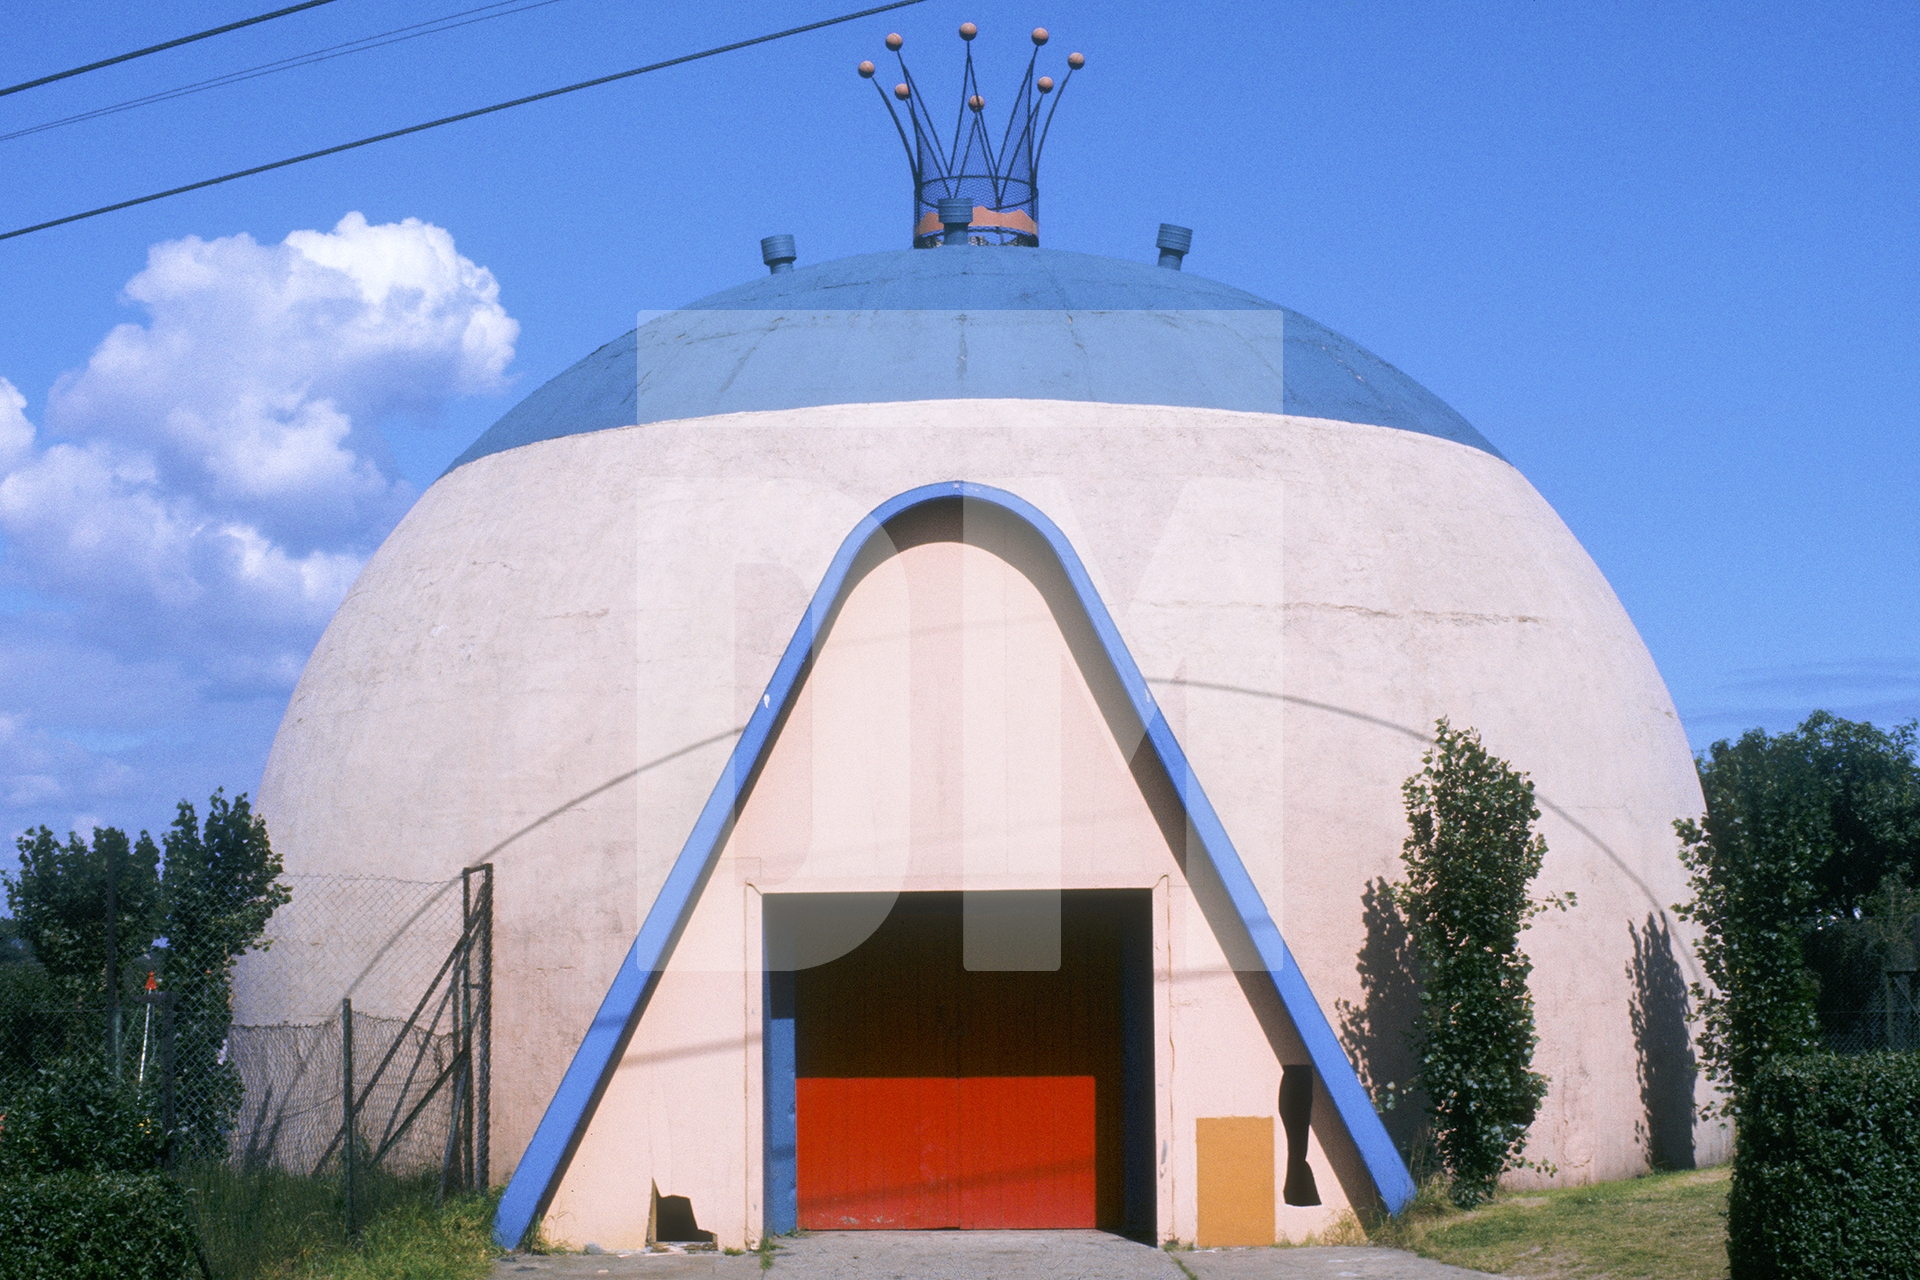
(672, 1221)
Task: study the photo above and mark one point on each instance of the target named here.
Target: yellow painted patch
(1236, 1181)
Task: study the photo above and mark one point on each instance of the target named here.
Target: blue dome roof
(975, 322)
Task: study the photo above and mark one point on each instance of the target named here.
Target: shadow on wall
(1378, 1032)
(1667, 1066)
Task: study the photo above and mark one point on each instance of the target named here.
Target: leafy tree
(1869, 786)
(14, 947)
(1801, 829)
(1470, 859)
(58, 900)
(220, 888)
(29, 1034)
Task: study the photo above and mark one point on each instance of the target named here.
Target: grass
(1668, 1226)
(265, 1224)
(418, 1242)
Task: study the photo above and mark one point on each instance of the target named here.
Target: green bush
(83, 1226)
(81, 1194)
(73, 1117)
(1826, 1170)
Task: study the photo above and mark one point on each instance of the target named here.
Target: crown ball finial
(1012, 216)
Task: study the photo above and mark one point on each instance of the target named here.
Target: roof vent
(956, 217)
(777, 252)
(1173, 243)
(997, 181)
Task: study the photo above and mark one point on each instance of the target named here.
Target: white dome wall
(1306, 597)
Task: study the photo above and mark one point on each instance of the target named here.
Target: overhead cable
(464, 115)
(170, 44)
(413, 31)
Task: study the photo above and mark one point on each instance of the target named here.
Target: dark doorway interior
(924, 1095)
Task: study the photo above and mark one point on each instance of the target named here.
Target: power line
(413, 31)
(171, 44)
(464, 115)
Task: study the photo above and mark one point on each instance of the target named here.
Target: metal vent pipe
(777, 252)
(956, 215)
(1173, 243)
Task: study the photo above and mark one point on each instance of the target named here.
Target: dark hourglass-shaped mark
(1296, 1117)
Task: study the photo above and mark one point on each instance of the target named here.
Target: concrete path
(1319, 1264)
(992, 1255)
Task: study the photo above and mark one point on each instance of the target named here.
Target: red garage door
(909, 1154)
(931, 1097)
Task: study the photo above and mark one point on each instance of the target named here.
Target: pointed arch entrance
(1234, 914)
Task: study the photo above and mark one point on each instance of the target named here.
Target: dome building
(907, 701)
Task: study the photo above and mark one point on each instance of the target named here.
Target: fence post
(452, 1156)
(483, 1036)
(1898, 1000)
(463, 1039)
(346, 1103)
(169, 1122)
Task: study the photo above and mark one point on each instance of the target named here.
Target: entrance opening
(926, 1095)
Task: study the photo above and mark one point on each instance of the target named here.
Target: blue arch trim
(537, 1177)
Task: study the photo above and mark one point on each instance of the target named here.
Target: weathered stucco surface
(545, 664)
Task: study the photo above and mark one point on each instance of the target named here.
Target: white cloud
(258, 381)
(16, 433)
(223, 459)
(204, 490)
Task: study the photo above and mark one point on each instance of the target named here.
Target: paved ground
(1319, 1264)
(993, 1255)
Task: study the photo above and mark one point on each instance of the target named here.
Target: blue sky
(1666, 257)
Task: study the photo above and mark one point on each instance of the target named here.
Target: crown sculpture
(967, 190)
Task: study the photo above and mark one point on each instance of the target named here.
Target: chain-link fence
(1869, 997)
(413, 962)
(1880, 1013)
(349, 1071)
